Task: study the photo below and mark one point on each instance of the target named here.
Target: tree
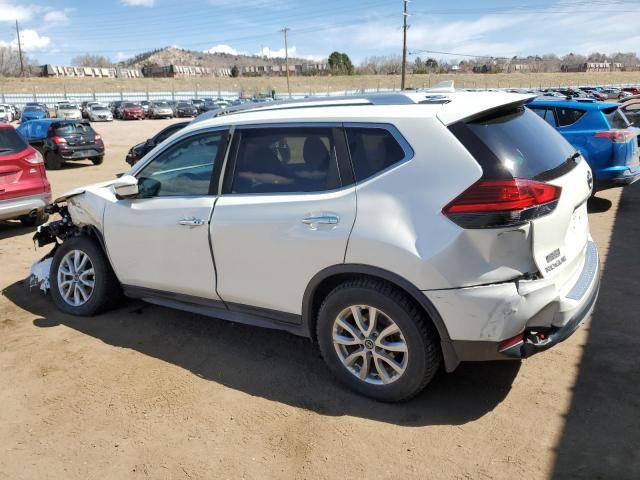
(95, 61)
(340, 63)
(235, 71)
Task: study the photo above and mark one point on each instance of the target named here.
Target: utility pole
(404, 46)
(20, 49)
(286, 58)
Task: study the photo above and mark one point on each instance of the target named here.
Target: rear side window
(11, 142)
(372, 150)
(616, 118)
(515, 143)
(546, 114)
(289, 159)
(568, 116)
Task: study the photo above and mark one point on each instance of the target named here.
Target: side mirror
(126, 187)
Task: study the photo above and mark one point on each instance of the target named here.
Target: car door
(160, 240)
(287, 208)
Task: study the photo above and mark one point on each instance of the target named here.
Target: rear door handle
(191, 222)
(326, 219)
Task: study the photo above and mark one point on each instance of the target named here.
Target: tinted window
(166, 133)
(183, 169)
(515, 144)
(71, 128)
(568, 116)
(616, 118)
(372, 150)
(286, 160)
(11, 142)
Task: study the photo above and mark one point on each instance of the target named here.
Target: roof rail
(353, 100)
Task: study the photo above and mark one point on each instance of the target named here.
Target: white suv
(400, 232)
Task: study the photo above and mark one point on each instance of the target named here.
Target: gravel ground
(147, 392)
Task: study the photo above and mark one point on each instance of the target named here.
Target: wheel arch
(326, 280)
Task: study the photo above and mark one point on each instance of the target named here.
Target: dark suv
(59, 140)
(140, 150)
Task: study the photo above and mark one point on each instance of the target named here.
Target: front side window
(289, 159)
(183, 169)
(372, 150)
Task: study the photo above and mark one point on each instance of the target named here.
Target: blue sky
(54, 31)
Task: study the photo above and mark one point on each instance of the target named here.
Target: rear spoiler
(497, 109)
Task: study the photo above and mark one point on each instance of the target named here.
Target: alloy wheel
(76, 278)
(370, 344)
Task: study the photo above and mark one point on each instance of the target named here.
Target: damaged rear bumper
(517, 319)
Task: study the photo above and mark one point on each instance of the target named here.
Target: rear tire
(81, 278)
(391, 358)
(53, 161)
(98, 160)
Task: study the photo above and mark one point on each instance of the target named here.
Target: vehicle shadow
(601, 437)
(10, 229)
(598, 205)
(273, 365)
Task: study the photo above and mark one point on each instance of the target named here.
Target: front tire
(81, 278)
(376, 340)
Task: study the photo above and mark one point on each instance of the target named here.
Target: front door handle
(326, 219)
(191, 222)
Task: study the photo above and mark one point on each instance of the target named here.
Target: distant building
(593, 67)
(49, 70)
(518, 67)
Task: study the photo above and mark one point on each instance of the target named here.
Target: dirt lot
(310, 85)
(146, 392)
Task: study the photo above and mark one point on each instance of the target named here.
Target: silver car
(160, 110)
(100, 113)
(68, 111)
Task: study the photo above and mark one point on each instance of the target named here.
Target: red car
(24, 188)
(631, 90)
(131, 111)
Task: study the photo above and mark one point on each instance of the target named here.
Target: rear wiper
(573, 157)
(2, 150)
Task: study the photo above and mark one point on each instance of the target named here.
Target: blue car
(33, 113)
(600, 132)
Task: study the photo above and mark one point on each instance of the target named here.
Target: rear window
(616, 118)
(11, 142)
(71, 128)
(515, 143)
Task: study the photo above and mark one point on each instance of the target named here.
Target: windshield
(184, 104)
(67, 107)
(33, 109)
(99, 109)
(161, 104)
(131, 105)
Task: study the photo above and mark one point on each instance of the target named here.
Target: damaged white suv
(401, 232)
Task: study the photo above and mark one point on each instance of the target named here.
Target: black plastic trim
(245, 314)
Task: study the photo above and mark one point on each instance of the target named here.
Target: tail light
(502, 203)
(59, 140)
(98, 138)
(616, 136)
(34, 158)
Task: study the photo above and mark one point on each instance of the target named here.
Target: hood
(81, 190)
